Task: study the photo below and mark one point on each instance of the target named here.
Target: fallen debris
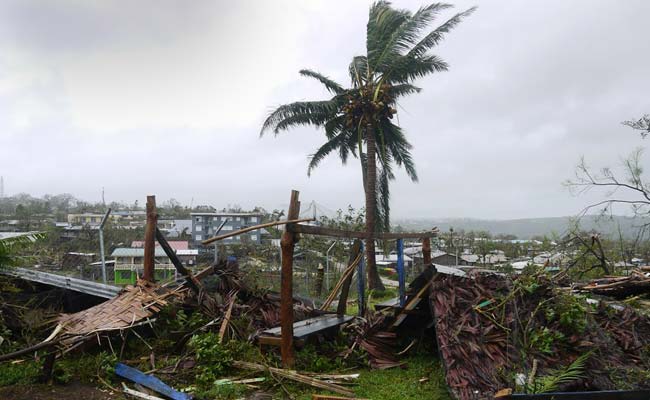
(138, 394)
(495, 333)
(295, 376)
(149, 381)
(637, 282)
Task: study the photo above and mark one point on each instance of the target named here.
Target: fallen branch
(295, 376)
(346, 273)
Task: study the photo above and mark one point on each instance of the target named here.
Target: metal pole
(400, 272)
(327, 265)
(216, 251)
(101, 244)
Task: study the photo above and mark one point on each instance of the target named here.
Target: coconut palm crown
(359, 120)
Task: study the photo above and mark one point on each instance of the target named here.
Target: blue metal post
(400, 272)
(361, 284)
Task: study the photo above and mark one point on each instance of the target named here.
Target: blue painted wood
(149, 381)
(361, 284)
(400, 272)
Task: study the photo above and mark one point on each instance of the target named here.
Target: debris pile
(637, 282)
(531, 336)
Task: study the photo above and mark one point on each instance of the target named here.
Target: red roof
(175, 244)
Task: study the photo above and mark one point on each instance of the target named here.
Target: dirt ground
(46, 392)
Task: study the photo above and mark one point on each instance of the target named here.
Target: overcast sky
(167, 98)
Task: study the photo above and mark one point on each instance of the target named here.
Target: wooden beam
(149, 239)
(287, 243)
(323, 231)
(252, 228)
(192, 282)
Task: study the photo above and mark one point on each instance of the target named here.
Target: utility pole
(101, 244)
(2, 187)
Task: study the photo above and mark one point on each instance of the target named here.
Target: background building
(205, 224)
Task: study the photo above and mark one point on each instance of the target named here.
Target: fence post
(361, 285)
(149, 239)
(287, 244)
(400, 271)
(426, 251)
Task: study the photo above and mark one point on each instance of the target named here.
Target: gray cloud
(91, 93)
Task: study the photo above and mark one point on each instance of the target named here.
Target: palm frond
(433, 38)
(21, 240)
(399, 148)
(317, 112)
(9, 245)
(403, 89)
(383, 21)
(331, 145)
(358, 71)
(406, 35)
(406, 68)
(332, 86)
(557, 378)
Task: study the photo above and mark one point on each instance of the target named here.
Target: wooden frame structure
(291, 236)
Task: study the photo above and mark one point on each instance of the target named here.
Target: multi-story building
(205, 224)
(87, 219)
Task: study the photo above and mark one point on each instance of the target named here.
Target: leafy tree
(358, 120)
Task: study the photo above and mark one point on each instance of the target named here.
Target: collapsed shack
(528, 335)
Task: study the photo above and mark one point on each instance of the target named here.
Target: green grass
(19, 373)
(400, 384)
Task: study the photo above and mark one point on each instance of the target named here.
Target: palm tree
(358, 120)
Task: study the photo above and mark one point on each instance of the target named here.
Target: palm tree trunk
(374, 281)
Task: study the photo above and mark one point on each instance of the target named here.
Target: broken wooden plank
(149, 381)
(413, 302)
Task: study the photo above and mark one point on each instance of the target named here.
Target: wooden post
(150, 239)
(192, 282)
(320, 275)
(426, 251)
(400, 272)
(361, 286)
(287, 244)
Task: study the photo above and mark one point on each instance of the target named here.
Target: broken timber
(253, 228)
(323, 231)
